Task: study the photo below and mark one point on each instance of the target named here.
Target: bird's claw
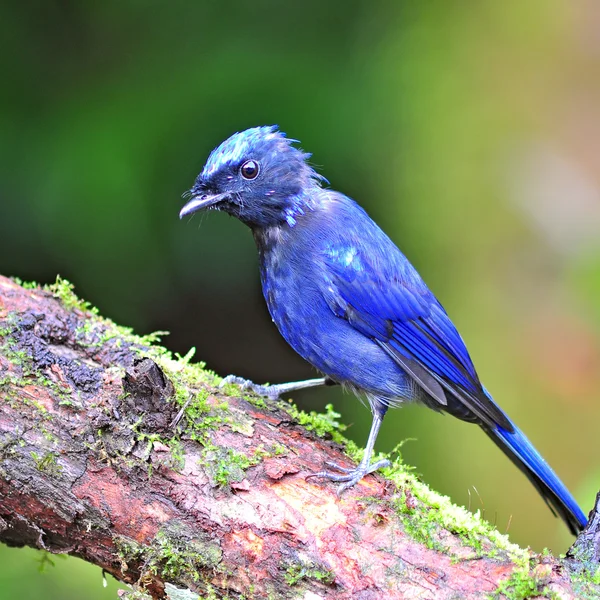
(349, 477)
(268, 391)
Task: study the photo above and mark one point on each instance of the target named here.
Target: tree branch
(90, 465)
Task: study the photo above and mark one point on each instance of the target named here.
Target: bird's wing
(381, 295)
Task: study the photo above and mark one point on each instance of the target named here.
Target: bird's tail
(522, 453)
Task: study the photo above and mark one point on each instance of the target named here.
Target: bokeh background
(469, 131)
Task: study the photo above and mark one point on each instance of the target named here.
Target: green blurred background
(469, 130)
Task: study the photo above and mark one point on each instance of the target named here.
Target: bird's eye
(249, 169)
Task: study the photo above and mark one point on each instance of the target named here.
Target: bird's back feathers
(374, 287)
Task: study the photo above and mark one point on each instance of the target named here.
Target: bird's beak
(201, 202)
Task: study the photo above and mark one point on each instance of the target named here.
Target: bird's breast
(293, 276)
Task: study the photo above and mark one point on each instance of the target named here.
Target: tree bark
(92, 465)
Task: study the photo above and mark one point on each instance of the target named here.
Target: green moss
(256, 401)
(27, 285)
(177, 454)
(239, 422)
(176, 448)
(210, 593)
(523, 584)
(63, 290)
(585, 577)
(324, 425)
(26, 372)
(427, 515)
(226, 466)
(233, 391)
(47, 463)
(202, 418)
(10, 385)
(279, 449)
(173, 554)
(176, 558)
(296, 572)
(259, 453)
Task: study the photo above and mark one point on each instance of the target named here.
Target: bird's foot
(274, 392)
(268, 391)
(348, 477)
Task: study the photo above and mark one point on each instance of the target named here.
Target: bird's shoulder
(363, 266)
(370, 282)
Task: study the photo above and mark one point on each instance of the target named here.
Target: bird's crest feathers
(245, 144)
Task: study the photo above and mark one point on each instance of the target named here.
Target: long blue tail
(521, 451)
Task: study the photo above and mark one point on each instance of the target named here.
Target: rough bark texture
(90, 465)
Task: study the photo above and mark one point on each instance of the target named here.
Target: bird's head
(256, 175)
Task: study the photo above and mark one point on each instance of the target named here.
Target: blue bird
(350, 303)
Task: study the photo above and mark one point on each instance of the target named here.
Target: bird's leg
(349, 477)
(273, 392)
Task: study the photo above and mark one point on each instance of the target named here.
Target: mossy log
(217, 504)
